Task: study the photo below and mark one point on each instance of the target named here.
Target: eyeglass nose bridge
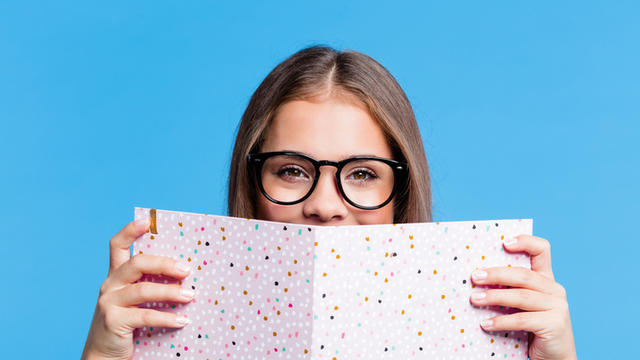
(339, 165)
(328, 163)
(320, 163)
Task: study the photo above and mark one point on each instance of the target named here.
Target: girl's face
(330, 129)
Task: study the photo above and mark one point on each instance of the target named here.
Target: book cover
(288, 291)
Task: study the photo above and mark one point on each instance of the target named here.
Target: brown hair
(322, 70)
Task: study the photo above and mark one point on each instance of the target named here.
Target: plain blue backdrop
(527, 109)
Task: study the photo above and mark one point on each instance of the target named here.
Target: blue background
(526, 110)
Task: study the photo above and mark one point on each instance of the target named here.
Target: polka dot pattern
(402, 291)
(286, 291)
(253, 285)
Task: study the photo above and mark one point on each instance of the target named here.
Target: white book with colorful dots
(269, 290)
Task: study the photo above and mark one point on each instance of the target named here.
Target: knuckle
(127, 233)
(524, 297)
(526, 277)
(492, 296)
(495, 296)
(174, 290)
(103, 303)
(495, 275)
(146, 316)
(111, 319)
(562, 291)
(104, 288)
(142, 291)
(168, 261)
(137, 261)
(519, 320)
(563, 306)
(113, 242)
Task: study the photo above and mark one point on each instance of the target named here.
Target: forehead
(329, 130)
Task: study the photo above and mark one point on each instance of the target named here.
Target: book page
(253, 284)
(402, 291)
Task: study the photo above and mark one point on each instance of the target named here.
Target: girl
(328, 138)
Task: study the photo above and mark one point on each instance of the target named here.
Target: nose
(325, 204)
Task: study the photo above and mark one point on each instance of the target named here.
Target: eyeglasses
(366, 182)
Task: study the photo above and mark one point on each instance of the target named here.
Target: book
(292, 291)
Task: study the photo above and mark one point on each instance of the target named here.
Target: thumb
(120, 243)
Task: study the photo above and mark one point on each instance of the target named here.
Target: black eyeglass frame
(400, 173)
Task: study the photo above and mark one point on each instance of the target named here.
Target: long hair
(316, 71)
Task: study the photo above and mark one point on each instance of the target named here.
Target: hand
(117, 315)
(544, 301)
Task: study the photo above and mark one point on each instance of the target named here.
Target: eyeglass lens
(288, 178)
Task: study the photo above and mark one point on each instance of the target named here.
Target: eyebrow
(352, 155)
(343, 158)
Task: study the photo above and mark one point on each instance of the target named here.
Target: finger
(515, 277)
(120, 242)
(523, 299)
(538, 248)
(138, 265)
(146, 291)
(533, 322)
(133, 317)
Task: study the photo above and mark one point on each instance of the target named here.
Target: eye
(291, 172)
(361, 175)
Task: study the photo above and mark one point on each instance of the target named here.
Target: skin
(327, 129)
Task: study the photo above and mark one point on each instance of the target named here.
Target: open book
(287, 291)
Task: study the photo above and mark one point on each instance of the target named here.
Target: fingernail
(182, 320)
(486, 323)
(479, 275)
(479, 295)
(187, 294)
(143, 221)
(183, 268)
(511, 241)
